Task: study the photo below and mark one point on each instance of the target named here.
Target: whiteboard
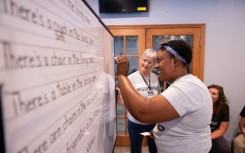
(56, 78)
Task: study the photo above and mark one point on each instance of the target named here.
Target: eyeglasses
(147, 62)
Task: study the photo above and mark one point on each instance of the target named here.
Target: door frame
(145, 41)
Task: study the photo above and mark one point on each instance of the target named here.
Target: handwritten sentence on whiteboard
(44, 143)
(37, 16)
(24, 56)
(30, 99)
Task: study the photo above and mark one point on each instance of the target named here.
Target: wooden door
(192, 35)
(128, 42)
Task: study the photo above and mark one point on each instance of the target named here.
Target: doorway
(134, 39)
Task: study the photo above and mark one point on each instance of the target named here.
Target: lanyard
(149, 86)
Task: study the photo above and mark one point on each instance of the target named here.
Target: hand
(152, 135)
(122, 65)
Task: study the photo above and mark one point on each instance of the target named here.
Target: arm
(220, 131)
(242, 125)
(147, 110)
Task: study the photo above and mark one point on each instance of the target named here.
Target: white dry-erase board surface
(56, 78)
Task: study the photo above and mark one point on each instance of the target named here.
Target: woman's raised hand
(122, 65)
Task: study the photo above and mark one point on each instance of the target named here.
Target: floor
(127, 150)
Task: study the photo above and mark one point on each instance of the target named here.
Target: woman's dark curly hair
(221, 104)
(181, 48)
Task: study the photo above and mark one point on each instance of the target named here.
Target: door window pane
(120, 109)
(157, 40)
(133, 64)
(118, 42)
(132, 45)
(121, 126)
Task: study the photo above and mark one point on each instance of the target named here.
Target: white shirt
(142, 88)
(190, 133)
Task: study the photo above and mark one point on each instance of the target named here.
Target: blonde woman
(146, 83)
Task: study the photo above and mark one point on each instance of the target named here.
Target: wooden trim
(122, 141)
(202, 46)
(156, 26)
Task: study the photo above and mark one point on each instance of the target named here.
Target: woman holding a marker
(182, 112)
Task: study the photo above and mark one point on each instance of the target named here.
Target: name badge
(150, 93)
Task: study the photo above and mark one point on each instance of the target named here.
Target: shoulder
(191, 90)
(153, 75)
(225, 109)
(242, 114)
(134, 75)
(190, 84)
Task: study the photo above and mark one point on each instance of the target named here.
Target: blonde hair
(149, 52)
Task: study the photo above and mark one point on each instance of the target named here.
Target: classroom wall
(224, 44)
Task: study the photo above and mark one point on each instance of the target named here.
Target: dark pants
(136, 138)
(220, 145)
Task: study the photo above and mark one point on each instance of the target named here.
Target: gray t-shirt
(142, 88)
(190, 133)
